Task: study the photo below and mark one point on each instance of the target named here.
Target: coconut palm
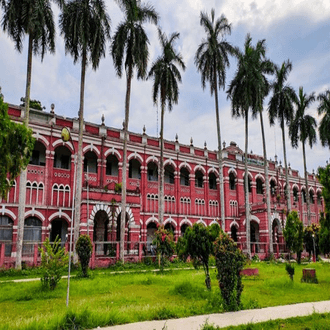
(211, 59)
(34, 19)
(280, 106)
(324, 108)
(247, 91)
(302, 128)
(129, 49)
(166, 77)
(85, 26)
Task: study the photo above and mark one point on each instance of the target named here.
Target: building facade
(191, 191)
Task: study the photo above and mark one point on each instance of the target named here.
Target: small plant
(164, 245)
(106, 188)
(84, 249)
(118, 187)
(54, 261)
(255, 258)
(290, 270)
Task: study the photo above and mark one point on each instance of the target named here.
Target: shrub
(311, 239)
(229, 261)
(164, 245)
(84, 250)
(290, 270)
(54, 261)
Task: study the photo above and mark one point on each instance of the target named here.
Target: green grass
(310, 322)
(107, 299)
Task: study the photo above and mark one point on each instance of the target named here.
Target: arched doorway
(100, 232)
(151, 228)
(59, 227)
(233, 233)
(254, 236)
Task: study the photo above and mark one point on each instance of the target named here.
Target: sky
(298, 30)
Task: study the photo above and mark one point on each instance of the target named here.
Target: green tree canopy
(34, 104)
(16, 145)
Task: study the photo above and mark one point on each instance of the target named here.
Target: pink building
(191, 191)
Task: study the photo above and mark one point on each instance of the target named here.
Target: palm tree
(248, 90)
(281, 106)
(302, 128)
(324, 108)
(211, 59)
(85, 26)
(35, 19)
(166, 77)
(131, 40)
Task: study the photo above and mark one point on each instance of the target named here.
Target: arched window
(199, 179)
(259, 186)
(212, 181)
(311, 197)
(152, 171)
(319, 198)
(249, 184)
(38, 154)
(90, 162)
(184, 177)
(169, 174)
(6, 233)
(272, 187)
(232, 181)
(303, 194)
(62, 158)
(112, 165)
(134, 171)
(295, 194)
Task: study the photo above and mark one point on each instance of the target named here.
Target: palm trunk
(161, 168)
(124, 174)
(288, 195)
(306, 184)
(23, 175)
(270, 234)
(222, 195)
(79, 165)
(246, 184)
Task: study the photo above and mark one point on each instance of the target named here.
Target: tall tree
(166, 77)
(85, 26)
(324, 108)
(281, 106)
(247, 91)
(33, 18)
(211, 59)
(129, 48)
(303, 128)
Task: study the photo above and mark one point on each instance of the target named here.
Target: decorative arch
(295, 186)
(5, 211)
(91, 147)
(234, 223)
(214, 221)
(311, 189)
(278, 222)
(112, 151)
(34, 213)
(100, 207)
(252, 218)
(170, 162)
(135, 155)
(60, 215)
(200, 168)
(232, 170)
(202, 222)
(128, 211)
(41, 138)
(152, 219)
(260, 176)
(319, 190)
(152, 159)
(272, 178)
(171, 221)
(185, 164)
(249, 175)
(213, 170)
(185, 222)
(59, 142)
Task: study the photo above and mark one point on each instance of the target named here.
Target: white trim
(41, 138)
(202, 222)
(171, 221)
(201, 168)
(152, 159)
(34, 213)
(152, 219)
(135, 155)
(59, 215)
(7, 212)
(91, 147)
(112, 151)
(59, 143)
(185, 222)
(185, 164)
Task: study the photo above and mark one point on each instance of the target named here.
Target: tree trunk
(161, 168)
(79, 165)
(23, 175)
(270, 228)
(288, 195)
(124, 174)
(222, 195)
(306, 184)
(246, 184)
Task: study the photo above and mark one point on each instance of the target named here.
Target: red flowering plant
(164, 244)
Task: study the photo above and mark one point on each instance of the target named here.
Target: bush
(290, 270)
(84, 249)
(54, 261)
(229, 261)
(164, 245)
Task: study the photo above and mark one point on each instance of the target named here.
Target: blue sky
(298, 30)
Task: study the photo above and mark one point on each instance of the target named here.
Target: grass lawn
(105, 299)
